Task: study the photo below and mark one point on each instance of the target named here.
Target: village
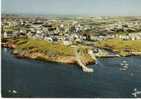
(68, 30)
(73, 30)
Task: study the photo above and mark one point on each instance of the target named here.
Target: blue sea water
(32, 78)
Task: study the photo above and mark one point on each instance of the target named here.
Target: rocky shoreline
(61, 59)
(43, 56)
(83, 61)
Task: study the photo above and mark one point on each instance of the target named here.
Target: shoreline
(49, 52)
(75, 62)
(63, 59)
(12, 46)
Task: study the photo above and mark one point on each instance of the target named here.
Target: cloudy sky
(73, 7)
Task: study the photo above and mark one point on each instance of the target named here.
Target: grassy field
(43, 46)
(121, 46)
(51, 49)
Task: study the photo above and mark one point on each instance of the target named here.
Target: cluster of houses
(66, 31)
(50, 30)
(131, 26)
(129, 36)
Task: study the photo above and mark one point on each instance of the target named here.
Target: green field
(43, 46)
(123, 47)
(51, 49)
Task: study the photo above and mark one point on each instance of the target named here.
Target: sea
(32, 78)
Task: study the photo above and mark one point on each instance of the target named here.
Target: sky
(73, 7)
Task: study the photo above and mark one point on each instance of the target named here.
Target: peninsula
(53, 52)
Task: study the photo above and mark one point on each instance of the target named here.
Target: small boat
(121, 64)
(124, 61)
(123, 69)
(9, 91)
(135, 89)
(124, 65)
(12, 91)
